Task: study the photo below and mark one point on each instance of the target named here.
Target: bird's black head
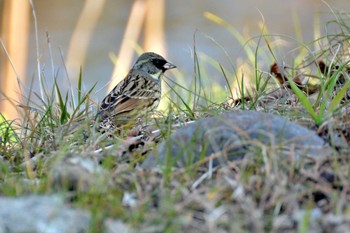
(153, 63)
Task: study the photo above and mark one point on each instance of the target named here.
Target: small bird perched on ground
(136, 95)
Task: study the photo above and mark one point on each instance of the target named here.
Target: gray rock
(232, 135)
(40, 214)
(116, 226)
(316, 222)
(335, 223)
(283, 223)
(76, 173)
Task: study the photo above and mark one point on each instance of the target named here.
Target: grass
(260, 193)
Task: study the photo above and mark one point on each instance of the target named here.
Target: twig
(20, 84)
(37, 49)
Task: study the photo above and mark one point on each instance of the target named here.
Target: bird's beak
(168, 66)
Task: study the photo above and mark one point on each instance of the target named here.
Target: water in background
(183, 19)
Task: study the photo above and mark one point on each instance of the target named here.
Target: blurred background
(103, 37)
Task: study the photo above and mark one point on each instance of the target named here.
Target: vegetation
(260, 193)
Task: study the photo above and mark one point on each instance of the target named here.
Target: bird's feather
(133, 94)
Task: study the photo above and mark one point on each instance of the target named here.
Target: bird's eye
(158, 63)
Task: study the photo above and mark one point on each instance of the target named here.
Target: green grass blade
(338, 97)
(65, 114)
(7, 133)
(304, 101)
(83, 100)
(190, 111)
(59, 95)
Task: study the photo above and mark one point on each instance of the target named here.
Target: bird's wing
(132, 93)
(129, 104)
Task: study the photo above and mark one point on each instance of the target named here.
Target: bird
(137, 95)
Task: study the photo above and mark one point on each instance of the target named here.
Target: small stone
(335, 223)
(116, 226)
(76, 173)
(283, 223)
(41, 214)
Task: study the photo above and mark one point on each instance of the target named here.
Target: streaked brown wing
(128, 104)
(133, 93)
(115, 96)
